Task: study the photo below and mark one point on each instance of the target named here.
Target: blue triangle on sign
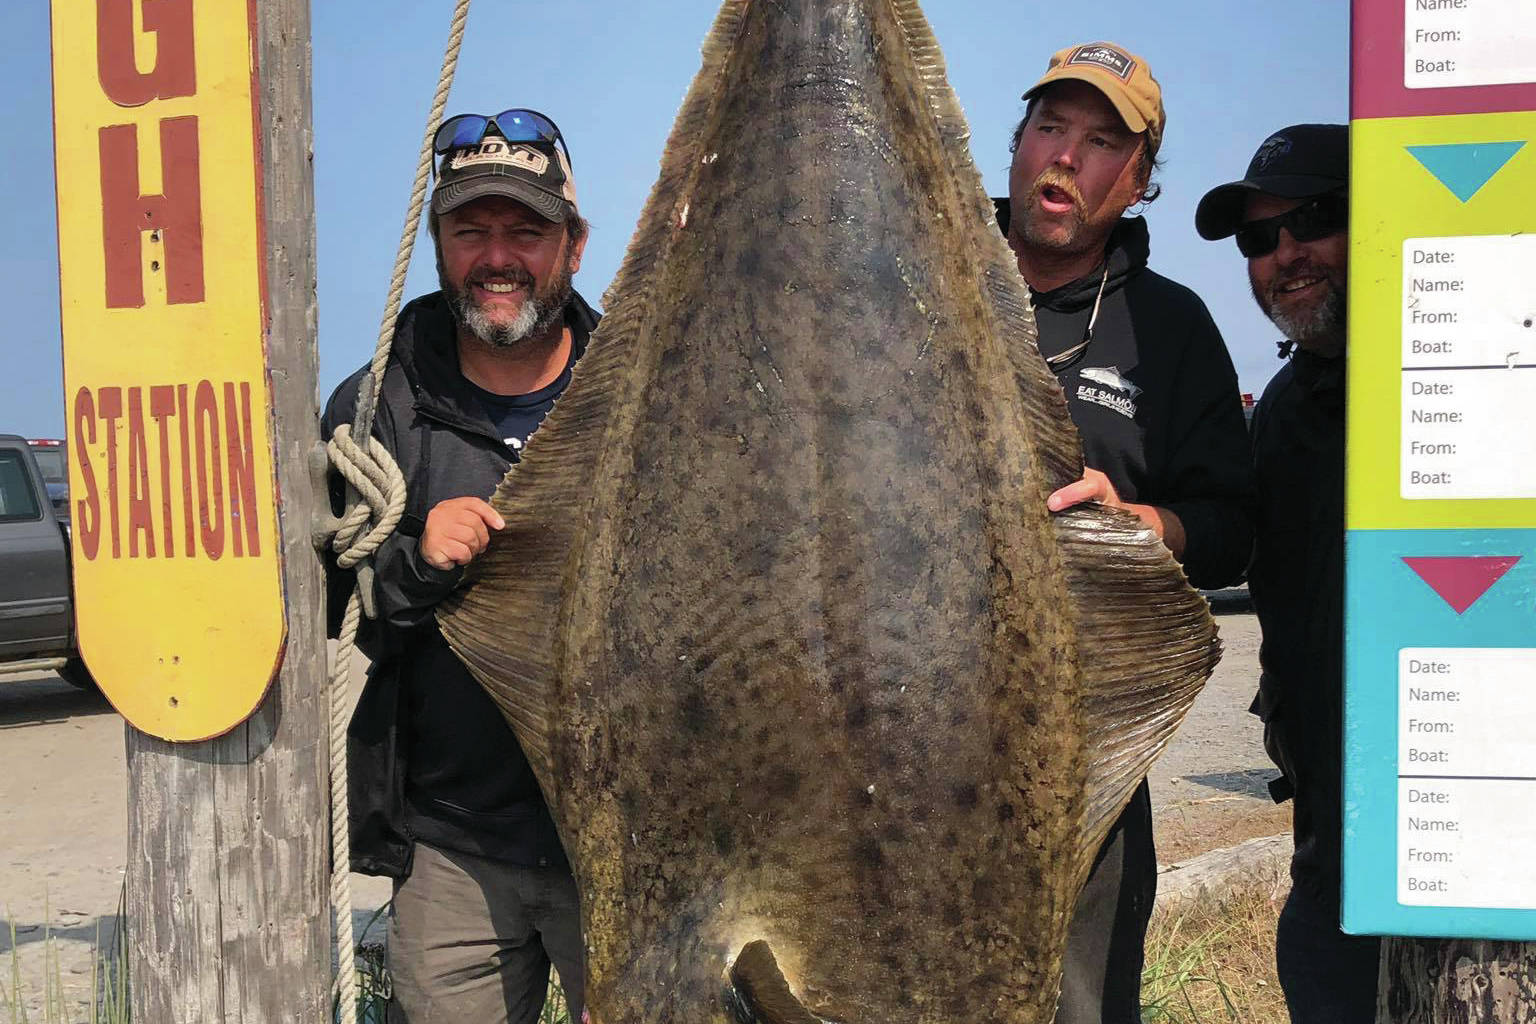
(1465, 167)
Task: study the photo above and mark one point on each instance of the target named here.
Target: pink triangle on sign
(1461, 580)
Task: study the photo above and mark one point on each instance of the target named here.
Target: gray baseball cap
(536, 174)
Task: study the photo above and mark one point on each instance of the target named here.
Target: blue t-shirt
(516, 417)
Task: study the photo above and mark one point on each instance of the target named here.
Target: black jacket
(1156, 400)
(430, 756)
(1297, 580)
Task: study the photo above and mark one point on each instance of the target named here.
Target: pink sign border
(1376, 78)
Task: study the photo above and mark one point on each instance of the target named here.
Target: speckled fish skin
(802, 662)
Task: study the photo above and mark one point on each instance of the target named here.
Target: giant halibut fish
(831, 713)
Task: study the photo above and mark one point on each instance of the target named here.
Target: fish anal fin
(761, 990)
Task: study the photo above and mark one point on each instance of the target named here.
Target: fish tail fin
(762, 991)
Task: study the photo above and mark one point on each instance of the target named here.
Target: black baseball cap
(1298, 162)
(535, 173)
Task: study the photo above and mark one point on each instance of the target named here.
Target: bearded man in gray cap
(442, 798)
(1290, 215)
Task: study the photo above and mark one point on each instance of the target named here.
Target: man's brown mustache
(1055, 177)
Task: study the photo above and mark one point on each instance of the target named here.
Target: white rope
(375, 503)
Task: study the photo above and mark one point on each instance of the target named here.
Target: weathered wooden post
(1440, 760)
(186, 240)
(1459, 981)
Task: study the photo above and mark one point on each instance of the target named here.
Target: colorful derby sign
(1440, 716)
(177, 567)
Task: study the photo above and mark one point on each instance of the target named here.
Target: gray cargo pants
(472, 939)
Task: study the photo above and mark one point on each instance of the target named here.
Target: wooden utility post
(1451, 981)
(228, 849)
(187, 260)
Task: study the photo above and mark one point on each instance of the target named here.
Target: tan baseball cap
(1121, 76)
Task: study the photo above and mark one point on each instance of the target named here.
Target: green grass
(1213, 960)
(109, 985)
(554, 1011)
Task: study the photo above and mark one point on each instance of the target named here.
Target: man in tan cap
(1150, 385)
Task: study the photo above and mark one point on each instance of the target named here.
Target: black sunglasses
(1323, 216)
(515, 125)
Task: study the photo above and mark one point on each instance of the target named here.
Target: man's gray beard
(1321, 329)
(533, 320)
(500, 335)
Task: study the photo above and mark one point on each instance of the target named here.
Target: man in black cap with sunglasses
(442, 798)
(1289, 214)
(1150, 385)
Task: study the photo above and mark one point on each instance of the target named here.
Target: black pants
(1101, 970)
(1328, 977)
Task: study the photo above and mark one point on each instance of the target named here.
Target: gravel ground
(63, 791)
(1210, 789)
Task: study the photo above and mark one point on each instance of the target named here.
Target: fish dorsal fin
(762, 989)
(1145, 645)
(1056, 439)
(506, 634)
(1146, 641)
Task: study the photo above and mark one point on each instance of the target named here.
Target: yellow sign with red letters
(178, 575)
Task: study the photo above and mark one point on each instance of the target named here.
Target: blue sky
(1231, 72)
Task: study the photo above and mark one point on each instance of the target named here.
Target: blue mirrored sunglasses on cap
(515, 125)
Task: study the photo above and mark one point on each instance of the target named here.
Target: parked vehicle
(37, 622)
(53, 460)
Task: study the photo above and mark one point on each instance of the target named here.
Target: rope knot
(376, 501)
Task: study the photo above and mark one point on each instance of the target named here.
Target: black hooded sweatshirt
(1156, 400)
(430, 756)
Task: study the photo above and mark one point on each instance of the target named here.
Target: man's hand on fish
(1095, 486)
(457, 530)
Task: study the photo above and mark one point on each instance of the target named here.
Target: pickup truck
(37, 622)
